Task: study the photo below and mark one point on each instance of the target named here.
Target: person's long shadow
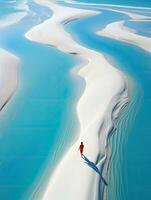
(94, 167)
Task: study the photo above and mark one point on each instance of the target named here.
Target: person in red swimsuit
(81, 148)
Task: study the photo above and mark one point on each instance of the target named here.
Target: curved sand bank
(12, 19)
(132, 14)
(118, 31)
(118, 8)
(106, 5)
(21, 10)
(103, 98)
(8, 76)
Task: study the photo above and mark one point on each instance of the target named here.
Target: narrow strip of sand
(118, 31)
(8, 76)
(132, 13)
(106, 5)
(104, 95)
(12, 19)
(21, 10)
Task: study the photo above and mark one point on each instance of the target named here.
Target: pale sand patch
(106, 5)
(12, 19)
(118, 31)
(97, 108)
(119, 9)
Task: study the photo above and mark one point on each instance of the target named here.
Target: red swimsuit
(81, 149)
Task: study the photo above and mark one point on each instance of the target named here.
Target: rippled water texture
(43, 108)
(129, 172)
(39, 122)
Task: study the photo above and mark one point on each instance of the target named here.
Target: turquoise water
(39, 123)
(143, 28)
(129, 174)
(119, 2)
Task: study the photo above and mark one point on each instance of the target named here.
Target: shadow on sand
(94, 167)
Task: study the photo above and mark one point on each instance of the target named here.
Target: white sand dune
(117, 30)
(8, 76)
(103, 97)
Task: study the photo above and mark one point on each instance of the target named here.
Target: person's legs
(81, 152)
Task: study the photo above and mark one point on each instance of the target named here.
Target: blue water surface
(120, 2)
(130, 180)
(142, 28)
(39, 122)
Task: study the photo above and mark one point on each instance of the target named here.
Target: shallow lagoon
(39, 123)
(43, 110)
(129, 173)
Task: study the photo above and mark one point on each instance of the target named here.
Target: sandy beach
(12, 19)
(22, 10)
(117, 30)
(104, 96)
(72, 72)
